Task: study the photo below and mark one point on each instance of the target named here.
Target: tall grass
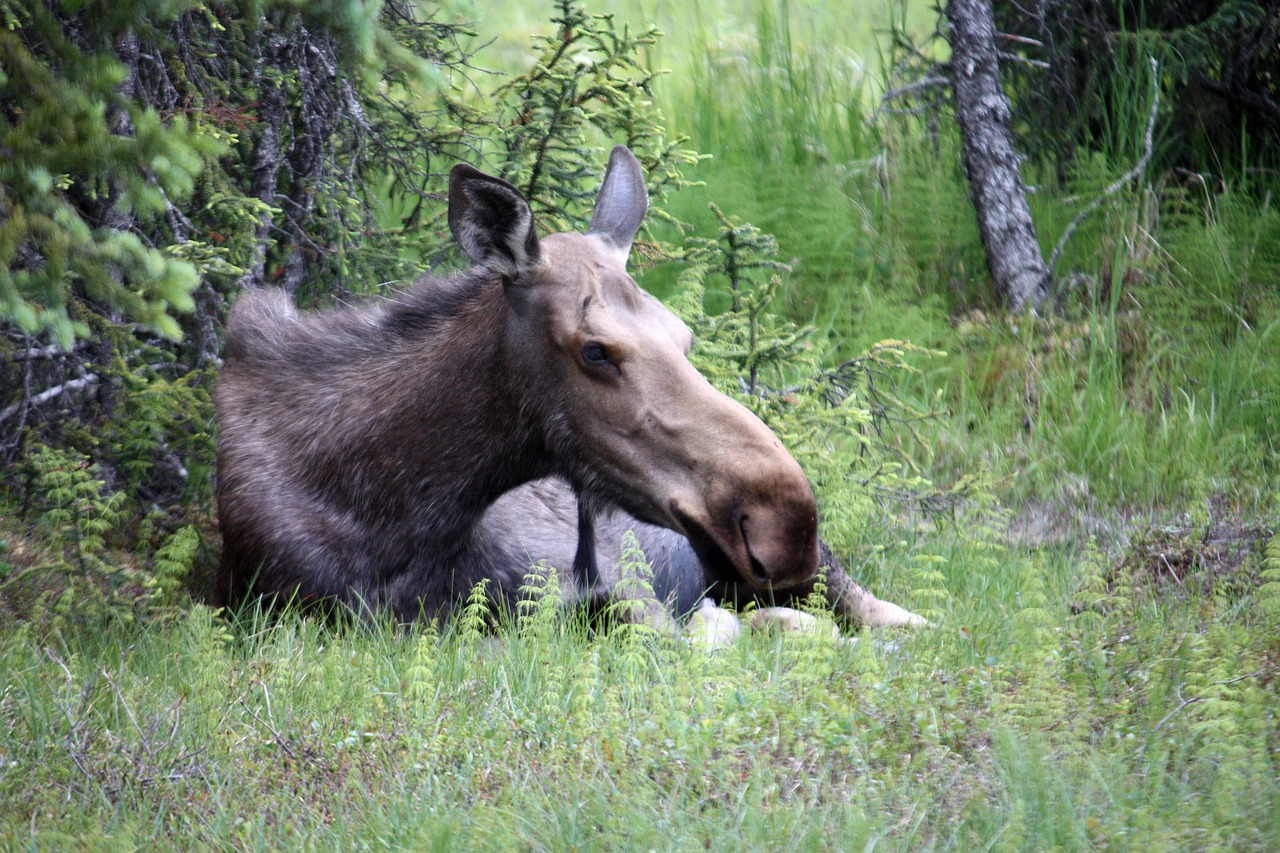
(779, 91)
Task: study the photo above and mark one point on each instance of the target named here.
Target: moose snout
(763, 534)
(780, 539)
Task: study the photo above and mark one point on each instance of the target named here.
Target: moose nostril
(758, 571)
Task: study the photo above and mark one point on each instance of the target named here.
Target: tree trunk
(269, 149)
(1004, 220)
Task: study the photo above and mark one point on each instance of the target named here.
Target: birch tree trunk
(1004, 220)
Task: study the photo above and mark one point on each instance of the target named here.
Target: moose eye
(595, 354)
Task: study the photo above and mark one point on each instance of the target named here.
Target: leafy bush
(76, 572)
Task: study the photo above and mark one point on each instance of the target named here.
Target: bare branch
(279, 738)
(1184, 703)
(1176, 711)
(1023, 60)
(911, 88)
(1020, 39)
(38, 353)
(45, 396)
(924, 109)
(1128, 176)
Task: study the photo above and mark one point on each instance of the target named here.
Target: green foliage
(476, 613)
(82, 577)
(588, 85)
(929, 220)
(745, 339)
(1267, 597)
(635, 614)
(72, 504)
(612, 740)
(82, 163)
(295, 111)
(540, 610)
(786, 87)
(172, 564)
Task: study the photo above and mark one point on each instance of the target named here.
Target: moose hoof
(712, 627)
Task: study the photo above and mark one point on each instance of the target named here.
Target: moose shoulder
(361, 447)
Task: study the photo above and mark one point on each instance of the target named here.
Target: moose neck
(459, 414)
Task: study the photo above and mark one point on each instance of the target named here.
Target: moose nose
(780, 540)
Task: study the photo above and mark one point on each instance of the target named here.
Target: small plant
(587, 87)
(635, 594)
(77, 512)
(1267, 596)
(85, 574)
(476, 614)
(539, 612)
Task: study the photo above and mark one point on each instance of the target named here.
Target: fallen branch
(910, 89)
(47, 395)
(1128, 176)
(1184, 703)
(280, 739)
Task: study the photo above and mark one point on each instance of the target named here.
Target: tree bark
(1017, 266)
(269, 149)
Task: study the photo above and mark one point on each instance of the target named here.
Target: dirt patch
(1153, 551)
(1220, 556)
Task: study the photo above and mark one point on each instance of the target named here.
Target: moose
(390, 456)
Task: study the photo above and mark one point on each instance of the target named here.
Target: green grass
(1047, 709)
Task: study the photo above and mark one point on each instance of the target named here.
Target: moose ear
(622, 202)
(492, 222)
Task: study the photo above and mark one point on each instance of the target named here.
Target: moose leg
(536, 522)
(681, 578)
(852, 602)
(857, 605)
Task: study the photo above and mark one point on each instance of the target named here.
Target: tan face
(662, 442)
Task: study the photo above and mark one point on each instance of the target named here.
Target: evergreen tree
(159, 157)
(87, 175)
(155, 158)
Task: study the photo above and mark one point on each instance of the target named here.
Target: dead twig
(912, 88)
(1191, 700)
(45, 353)
(1128, 176)
(280, 739)
(49, 394)
(1023, 60)
(1020, 39)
